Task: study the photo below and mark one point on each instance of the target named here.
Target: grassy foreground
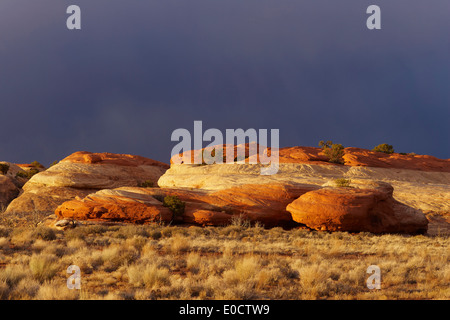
(231, 262)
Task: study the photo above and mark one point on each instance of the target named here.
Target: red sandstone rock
(369, 208)
(113, 159)
(263, 203)
(363, 157)
(83, 173)
(8, 190)
(352, 157)
(120, 205)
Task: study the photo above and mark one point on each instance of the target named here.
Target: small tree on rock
(385, 148)
(334, 151)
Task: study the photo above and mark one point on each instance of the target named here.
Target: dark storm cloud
(140, 69)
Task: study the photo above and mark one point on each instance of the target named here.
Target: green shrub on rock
(334, 151)
(342, 183)
(4, 168)
(174, 204)
(385, 148)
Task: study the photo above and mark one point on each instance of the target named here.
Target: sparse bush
(37, 165)
(4, 168)
(244, 270)
(239, 221)
(26, 289)
(76, 233)
(149, 276)
(44, 233)
(4, 290)
(11, 275)
(115, 256)
(27, 174)
(334, 151)
(326, 144)
(56, 290)
(178, 244)
(385, 148)
(5, 232)
(146, 184)
(44, 266)
(175, 205)
(128, 231)
(155, 234)
(342, 183)
(21, 236)
(53, 163)
(193, 262)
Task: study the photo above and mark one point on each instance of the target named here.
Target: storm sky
(139, 69)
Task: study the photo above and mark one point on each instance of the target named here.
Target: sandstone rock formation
(104, 187)
(365, 206)
(421, 182)
(125, 205)
(80, 174)
(263, 203)
(13, 170)
(363, 157)
(8, 190)
(86, 170)
(352, 157)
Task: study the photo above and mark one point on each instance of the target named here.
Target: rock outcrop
(424, 189)
(256, 203)
(8, 190)
(367, 158)
(109, 187)
(133, 205)
(364, 206)
(12, 173)
(80, 174)
(311, 155)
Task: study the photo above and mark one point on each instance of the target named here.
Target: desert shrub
(149, 276)
(22, 174)
(37, 165)
(53, 163)
(44, 266)
(11, 275)
(26, 289)
(4, 290)
(115, 256)
(4, 168)
(342, 183)
(239, 221)
(44, 233)
(129, 231)
(56, 290)
(155, 234)
(325, 144)
(27, 174)
(385, 148)
(244, 270)
(178, 244)
(5, 232)
(76, 233)
(174, 204)
(146, 184)
(96, 229)
(334, 151)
